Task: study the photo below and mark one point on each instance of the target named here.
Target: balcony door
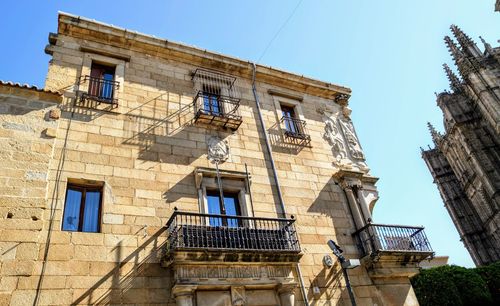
(288, 116)
(101, 81)
(231, 205)
(211, 100)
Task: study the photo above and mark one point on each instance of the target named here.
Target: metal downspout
(275, 172)
(268, 145)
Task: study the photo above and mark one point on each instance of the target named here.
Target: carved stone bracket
(342, 99)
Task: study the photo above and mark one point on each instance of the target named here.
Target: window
(288, 113)
(231, 206)
(82, 210)
(102, 82)
(211, 100)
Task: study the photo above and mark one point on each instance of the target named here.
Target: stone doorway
(237, 297)
(234, 296)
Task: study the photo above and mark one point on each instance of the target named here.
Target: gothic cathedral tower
(465, 162)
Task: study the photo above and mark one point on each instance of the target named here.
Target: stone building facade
(151, 172)
(465, 162)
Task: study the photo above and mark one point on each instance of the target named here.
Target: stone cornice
(126, 41)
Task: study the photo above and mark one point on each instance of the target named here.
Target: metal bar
(221, 192)
(248, 188)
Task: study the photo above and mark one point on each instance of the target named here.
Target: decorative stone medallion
(218, 150)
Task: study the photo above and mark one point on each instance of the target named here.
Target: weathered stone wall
(25, 150)
(146, 150)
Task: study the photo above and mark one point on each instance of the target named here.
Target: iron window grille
(216, 101)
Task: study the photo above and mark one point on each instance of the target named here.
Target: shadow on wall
(134, 279)
(331, 202)
(331, 289)
(185, 188)
(280, 144)
(165, 132)
(160, 127)
(84, 112)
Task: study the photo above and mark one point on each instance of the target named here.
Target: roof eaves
(27, 86)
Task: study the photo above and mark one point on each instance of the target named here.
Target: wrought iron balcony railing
(212, 109)
(194, 231)
(98, 90)
(216, 101)
(295, 130)
(376, 238)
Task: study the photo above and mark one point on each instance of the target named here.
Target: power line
(279, 30)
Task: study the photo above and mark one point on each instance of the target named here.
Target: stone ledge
(177, 257)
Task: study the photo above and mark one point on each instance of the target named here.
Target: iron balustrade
(295, 128)
(375, 238)
(99, 90)
(196, 231)
(217, 100)
(216, 107)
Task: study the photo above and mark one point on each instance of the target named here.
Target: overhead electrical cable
(279, 30)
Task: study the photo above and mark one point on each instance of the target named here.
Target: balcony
(216, 102)
(254, 239)
(295, 131)
(408, 242)
(94, 91)
(217, 110)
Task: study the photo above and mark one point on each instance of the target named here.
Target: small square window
(82, 209)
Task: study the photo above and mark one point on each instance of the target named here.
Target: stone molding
(226, 272)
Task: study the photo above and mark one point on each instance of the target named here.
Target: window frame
(289, 112)
(235, 183)
(117, 63)
(102, 88)
(212, 97)
(279, 101)
(83, 189)
(234, 195)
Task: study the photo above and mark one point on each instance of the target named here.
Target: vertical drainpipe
(275, 172)
(268, 145)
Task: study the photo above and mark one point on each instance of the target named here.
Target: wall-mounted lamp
(346, 264)
(351, 263)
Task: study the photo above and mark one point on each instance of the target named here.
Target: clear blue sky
(389, 52)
